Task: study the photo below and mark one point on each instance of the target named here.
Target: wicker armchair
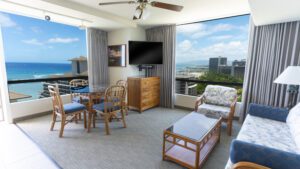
(218, 101)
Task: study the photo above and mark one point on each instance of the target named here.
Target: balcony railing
(196, 87)
(39, 87)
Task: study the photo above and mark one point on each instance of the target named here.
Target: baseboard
(16, 120)
(184, 108)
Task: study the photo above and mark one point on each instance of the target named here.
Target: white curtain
(97, 58)
(166, 72)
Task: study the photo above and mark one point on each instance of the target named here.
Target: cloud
(232, 50)
(6, 21)
(35, 29)
(200, 30)
(33, 42)
(221, 37)
(62, 40)
(185, 45)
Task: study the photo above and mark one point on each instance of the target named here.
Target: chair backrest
(56, 99)
(78, 83)
(115, 94)
(122, 83)
(219, 95)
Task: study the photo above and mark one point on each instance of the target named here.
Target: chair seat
(214, 110)
(101, 106)
(77, 99)
(73, 107)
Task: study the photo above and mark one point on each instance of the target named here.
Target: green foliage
(218, 77)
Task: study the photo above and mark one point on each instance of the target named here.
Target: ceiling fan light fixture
(146, 14)
(138, 13)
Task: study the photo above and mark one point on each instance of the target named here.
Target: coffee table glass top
(193, 126)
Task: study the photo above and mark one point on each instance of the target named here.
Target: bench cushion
(293, 122)
(266, 132)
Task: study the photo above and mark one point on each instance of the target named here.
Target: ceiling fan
(140, 9)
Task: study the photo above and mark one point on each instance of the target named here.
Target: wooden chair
(110, 108)
(248, 165)
(125, 84)
(67, 112)
(218, 101)
(78, 97)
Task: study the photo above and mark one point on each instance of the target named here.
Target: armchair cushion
(73, 107)
(219, 95)
(214, 110)
(293, 122)
(278, 114)
(262, 155)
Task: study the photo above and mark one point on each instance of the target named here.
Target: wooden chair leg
(76, 119)
(123, 118)
(229, 127)
(106, 119)
(94, 119)
(84, 119)
(62, 126)
(79, 116)
(53, 121)
(89, 121)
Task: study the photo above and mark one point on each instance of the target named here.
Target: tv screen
(146, 53)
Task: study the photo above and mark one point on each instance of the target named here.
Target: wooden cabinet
(143, 92)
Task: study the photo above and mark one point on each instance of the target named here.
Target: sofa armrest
(241, 151)
(278, 114)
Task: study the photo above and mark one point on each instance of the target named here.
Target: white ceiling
(120, 16)
(274, 11)
(194, 10)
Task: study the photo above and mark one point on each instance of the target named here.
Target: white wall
(122, 36)
(26, 108)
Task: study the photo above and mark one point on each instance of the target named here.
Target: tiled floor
(17, 151)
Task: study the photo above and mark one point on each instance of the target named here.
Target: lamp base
(293, 94)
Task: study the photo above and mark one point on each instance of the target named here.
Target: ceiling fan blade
(117, 2)
(166, 6)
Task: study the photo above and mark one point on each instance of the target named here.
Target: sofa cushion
(219, 95)
(214, 110)
(293, 121)
(266, 132)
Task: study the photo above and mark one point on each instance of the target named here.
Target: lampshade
(290, 76)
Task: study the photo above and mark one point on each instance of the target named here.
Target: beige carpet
(135, 147)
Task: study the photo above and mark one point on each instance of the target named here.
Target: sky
(226, 37)
(38, 41)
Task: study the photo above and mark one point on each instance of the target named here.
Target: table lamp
(291, 77)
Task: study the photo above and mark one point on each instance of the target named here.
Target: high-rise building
(214, 63)
(238, 68)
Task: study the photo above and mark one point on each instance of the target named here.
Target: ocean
(17, 71)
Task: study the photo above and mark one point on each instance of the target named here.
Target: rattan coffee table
(190, 140)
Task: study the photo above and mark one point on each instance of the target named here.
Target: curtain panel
(97, 58)
(272, 48)
(166, 71)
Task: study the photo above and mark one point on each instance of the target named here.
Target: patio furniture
(218, 101)
(75, 85)
(269, 137)
(65, 111)
(110, 108)
(125, 104)
(190, 140)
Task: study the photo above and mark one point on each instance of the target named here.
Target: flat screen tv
(145, 53)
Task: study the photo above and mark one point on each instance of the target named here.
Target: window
(36, 49)
(211, 52)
